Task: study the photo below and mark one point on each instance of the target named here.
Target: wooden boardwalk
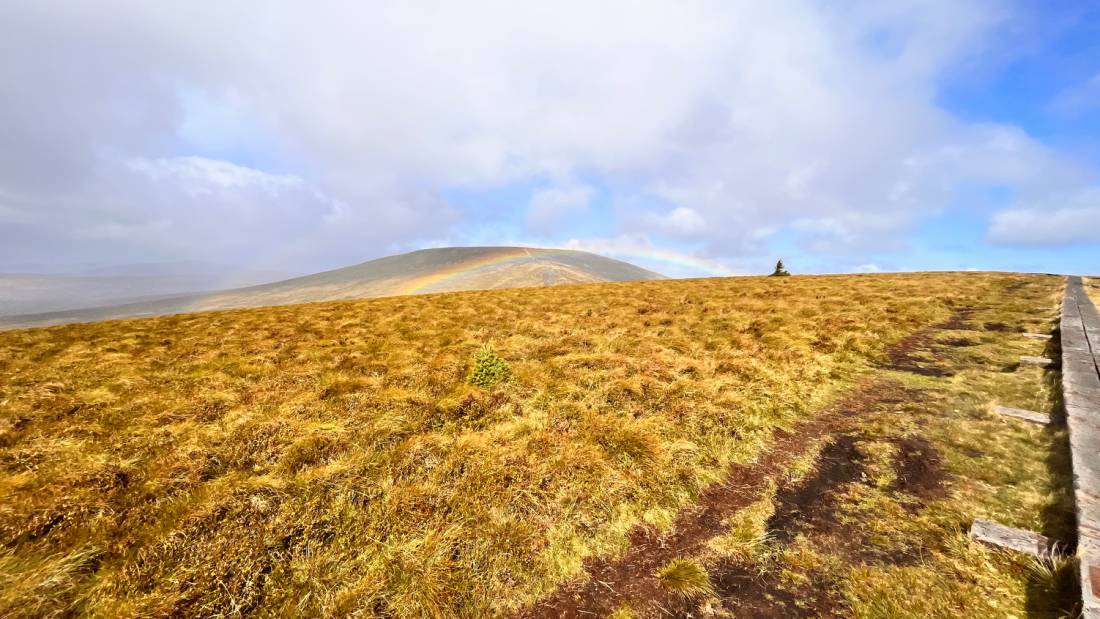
(1080, 330)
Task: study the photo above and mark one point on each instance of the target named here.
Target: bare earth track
(632, 577)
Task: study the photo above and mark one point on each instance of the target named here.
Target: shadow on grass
(1056, 592)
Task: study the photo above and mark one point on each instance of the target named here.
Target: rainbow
(675, 259)
(466, 268)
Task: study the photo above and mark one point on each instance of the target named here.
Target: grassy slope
(419, 271)
(878, 528)
(331, 458)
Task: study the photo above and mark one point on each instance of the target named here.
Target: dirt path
(632, 578)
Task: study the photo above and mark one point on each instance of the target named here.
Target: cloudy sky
(691, 137)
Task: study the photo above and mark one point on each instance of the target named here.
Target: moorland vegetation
(465, 454)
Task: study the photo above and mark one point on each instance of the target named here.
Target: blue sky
(1041, 86)
(693, 138)
(1050, 88)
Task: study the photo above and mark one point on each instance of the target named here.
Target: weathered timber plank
(1080, 340)
(1020, 413)
(1019, 540)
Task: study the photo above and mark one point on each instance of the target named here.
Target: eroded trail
(631, 580)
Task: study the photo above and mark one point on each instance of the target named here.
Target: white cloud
(1076, 219)
(549, 208)
(1079, 98)
(205, 175)
(867, 268)
(681, 221)
(848, 229)
(330, 131)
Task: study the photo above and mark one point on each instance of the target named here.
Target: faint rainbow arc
(462, 269)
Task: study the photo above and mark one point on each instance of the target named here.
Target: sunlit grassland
(878, 529)
(1010, 471)
(332, 458)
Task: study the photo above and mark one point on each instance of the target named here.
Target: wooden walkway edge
(1080, 331)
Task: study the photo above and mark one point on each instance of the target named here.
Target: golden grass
(1092, 289)
(685, 576)
(747, 529)
(880, 544)
(332, 459)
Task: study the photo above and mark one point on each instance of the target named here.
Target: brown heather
(332, 459)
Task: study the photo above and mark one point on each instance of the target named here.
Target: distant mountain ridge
(444, 269)
(34, 293)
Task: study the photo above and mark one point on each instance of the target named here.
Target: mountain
(425, 271)
(27, 293)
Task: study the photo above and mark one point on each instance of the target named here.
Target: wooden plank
(1038, 336)
(1020, 413)
(1039, 361)
(1019, 540)
(1080, 334)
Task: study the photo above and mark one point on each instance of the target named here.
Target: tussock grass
(747, 529)
(333, 459)
(685, 576)
(42, 586)
(804, 465)
(1054, 571)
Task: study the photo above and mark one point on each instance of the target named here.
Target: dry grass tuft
(747, 530)
(685, 576)
(1055, 572)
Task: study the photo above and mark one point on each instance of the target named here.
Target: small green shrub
(488, 369)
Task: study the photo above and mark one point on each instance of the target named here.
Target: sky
(694, 138)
